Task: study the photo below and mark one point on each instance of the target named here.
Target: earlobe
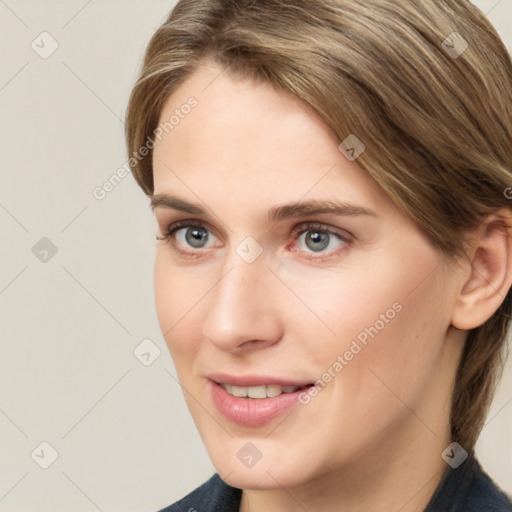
(490, 272)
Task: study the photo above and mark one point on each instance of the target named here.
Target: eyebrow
(292, 210)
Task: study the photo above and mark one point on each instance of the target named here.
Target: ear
(489, 264)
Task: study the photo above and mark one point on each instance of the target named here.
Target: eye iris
(196, 237)
(317, 240)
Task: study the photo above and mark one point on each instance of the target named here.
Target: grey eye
(197, 237)
(317, 240)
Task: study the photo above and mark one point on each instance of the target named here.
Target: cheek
(178, 293)
(390, 319)
(338, 306)
(166, 293)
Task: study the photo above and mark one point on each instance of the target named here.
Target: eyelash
(173, 228)
(295, 234)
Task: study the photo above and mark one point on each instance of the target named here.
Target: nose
(243, 310)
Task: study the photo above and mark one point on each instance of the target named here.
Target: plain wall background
(69, 326)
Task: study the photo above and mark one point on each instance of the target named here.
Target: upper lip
(254, 380)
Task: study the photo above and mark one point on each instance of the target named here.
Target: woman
(333, 274)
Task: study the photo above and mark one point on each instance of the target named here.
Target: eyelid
(172, 227)
(345, 237)
(308, 226)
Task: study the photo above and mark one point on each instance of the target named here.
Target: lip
(255, 380)
(252, 412)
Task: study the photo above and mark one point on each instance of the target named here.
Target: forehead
(244, 138)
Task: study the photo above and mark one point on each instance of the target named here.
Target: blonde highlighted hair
(426, 85)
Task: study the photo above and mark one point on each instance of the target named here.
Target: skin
(372, 439)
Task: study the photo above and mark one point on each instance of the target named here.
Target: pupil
(317, 240)
(196, 237)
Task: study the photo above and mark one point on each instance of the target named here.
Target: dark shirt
(465, 489)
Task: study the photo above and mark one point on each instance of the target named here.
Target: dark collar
(468, 489)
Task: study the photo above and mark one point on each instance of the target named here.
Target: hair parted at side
(437, 127)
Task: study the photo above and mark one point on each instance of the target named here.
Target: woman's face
(289, 266)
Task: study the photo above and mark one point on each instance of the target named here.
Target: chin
(262, 478)
(278, 466)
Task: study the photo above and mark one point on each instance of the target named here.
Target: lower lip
(252, 412)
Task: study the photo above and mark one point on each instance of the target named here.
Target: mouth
(254, 401)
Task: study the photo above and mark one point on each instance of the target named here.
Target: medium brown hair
(435, 116)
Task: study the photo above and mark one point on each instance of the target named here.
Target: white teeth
(273, 390)
(270, 391)
(238, 391)
(257, 392)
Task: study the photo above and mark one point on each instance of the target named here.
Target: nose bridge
(239, 282)
(238, 310)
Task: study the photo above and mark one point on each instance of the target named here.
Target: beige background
(69, 326)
